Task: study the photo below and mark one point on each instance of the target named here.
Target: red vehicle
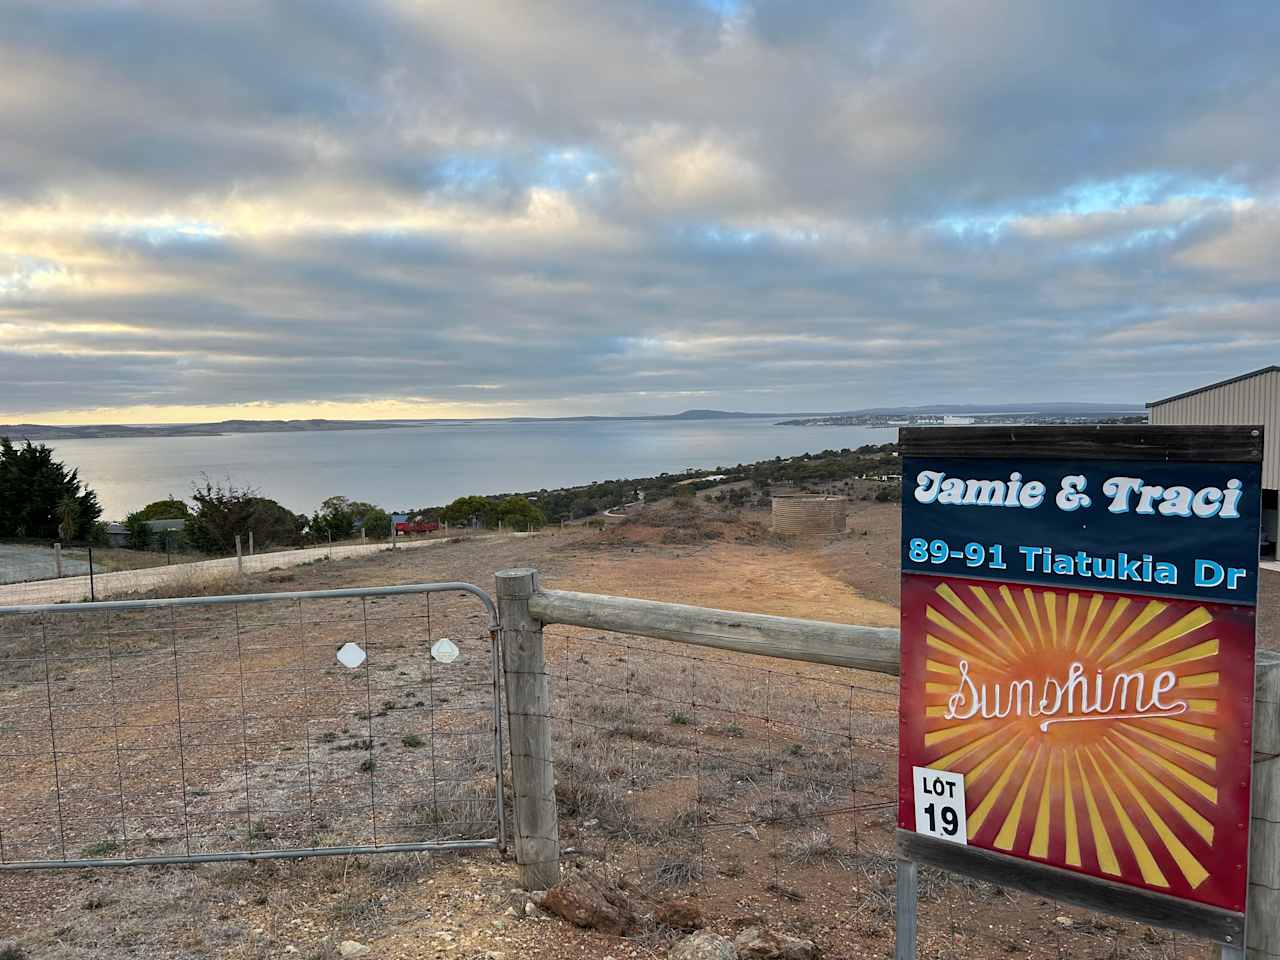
(404, 527)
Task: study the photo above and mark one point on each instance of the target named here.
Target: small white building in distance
(1251, 398)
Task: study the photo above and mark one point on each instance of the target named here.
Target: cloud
(583, 206)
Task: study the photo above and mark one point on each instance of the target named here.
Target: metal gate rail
(57, 753)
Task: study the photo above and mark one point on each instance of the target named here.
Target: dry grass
(774, 798)
(661, 754)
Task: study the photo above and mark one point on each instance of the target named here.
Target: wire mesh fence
(767, 787)
(33, 572)
(30, 560)
(219, 728)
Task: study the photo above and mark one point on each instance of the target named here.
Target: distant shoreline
(114, 431)
(877, 417)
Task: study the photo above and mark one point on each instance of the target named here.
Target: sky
(441, 209)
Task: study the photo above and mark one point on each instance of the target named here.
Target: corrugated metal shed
(1246, 399)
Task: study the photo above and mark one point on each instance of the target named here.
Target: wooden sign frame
(1210, 900)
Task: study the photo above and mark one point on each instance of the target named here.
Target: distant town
(951, 419)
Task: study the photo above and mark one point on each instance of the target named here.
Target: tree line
(221, 512)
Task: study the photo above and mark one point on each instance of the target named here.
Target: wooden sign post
(1078, 665)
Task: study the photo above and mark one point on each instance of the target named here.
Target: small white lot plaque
(940, 810)
(351, 656)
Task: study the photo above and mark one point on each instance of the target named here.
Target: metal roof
(1213, 386)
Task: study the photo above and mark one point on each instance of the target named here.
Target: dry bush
(811, 846)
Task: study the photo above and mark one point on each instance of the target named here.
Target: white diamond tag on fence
(351, 656)
(445, 650)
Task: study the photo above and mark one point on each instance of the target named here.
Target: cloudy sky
(471, 208)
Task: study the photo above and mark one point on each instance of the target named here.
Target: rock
(760, 943)
(704, 946)
(591, 901)
(683, 914)
(352, 948)
(1064, 921)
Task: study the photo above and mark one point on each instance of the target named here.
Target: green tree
(342, 518)
(519, 514)
(139, 532)
(40, 497)
(140, 535)
(370, 518)
(334, 520)
(462, 511)
(376, 524)
(222, 512)
(167, 509)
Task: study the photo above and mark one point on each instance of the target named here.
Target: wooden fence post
(251, 543)
(529, 726)
(904, 943)
(239, 557)
(57, 559)
(1263, 923)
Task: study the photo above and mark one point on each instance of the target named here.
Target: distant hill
(37, 431)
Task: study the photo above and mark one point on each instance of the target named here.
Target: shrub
(222, 513)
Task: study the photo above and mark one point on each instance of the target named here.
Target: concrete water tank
(810, 514)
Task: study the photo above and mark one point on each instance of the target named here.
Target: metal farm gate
(261, 726)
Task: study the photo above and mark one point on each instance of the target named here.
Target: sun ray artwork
(1094, 731)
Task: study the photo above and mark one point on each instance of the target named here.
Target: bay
(409, 467)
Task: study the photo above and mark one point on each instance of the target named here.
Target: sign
(1166, 529)
(940, 806)
(351, 656)
(1077, 652)
(445, 650)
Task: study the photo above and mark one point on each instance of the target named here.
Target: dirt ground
(763, 790)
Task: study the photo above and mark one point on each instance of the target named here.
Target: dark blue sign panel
(1154, 527)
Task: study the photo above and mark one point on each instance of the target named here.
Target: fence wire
(33, 572)
(207, 729)
(770, 787)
